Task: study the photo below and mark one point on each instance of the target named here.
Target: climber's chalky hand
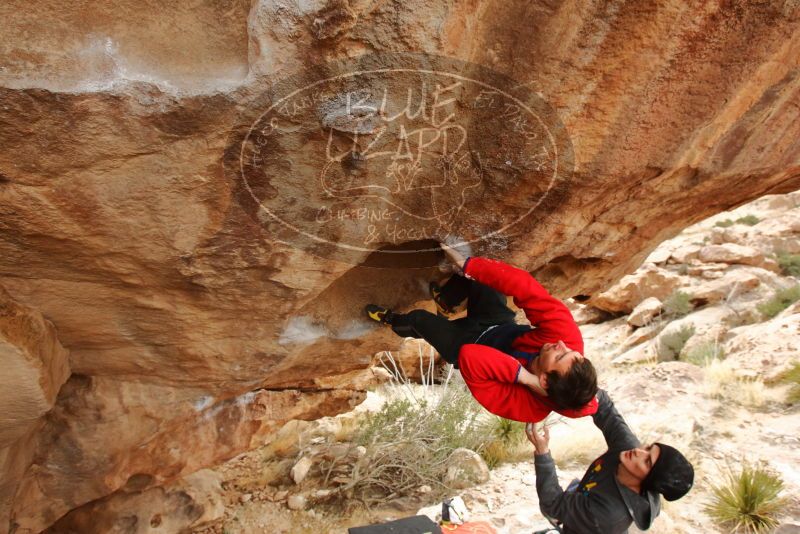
(453, 255)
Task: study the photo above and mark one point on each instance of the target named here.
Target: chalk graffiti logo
(396, 149)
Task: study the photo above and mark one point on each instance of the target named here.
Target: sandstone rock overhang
(194, 329)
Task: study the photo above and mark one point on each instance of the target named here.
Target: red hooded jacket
(491, 375)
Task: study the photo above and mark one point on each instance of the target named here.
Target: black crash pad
(419, 524)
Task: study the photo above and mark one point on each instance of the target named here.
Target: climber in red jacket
(514, 371)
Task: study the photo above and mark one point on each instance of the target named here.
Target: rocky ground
(712, 393)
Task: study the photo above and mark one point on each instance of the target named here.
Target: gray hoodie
(599, 504)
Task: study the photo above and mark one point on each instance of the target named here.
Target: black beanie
(671, 476)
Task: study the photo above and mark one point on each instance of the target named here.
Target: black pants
(485, 307)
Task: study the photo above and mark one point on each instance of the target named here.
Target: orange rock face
(200, 315)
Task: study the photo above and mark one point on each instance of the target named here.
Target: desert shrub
(747, 500)
(683, 270)
(749, 220)
(789, 263)
(408, 442)
(792, 377)
(704, 353)
(726, 223)
(781, 300)
(671, 343)
(677, 304)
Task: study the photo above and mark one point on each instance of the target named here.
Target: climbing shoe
(378, 313)
(436, 294)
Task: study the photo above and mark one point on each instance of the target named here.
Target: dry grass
(718, 375)
(792, 378)
(720, 382)
(752, 393)
(574, 442)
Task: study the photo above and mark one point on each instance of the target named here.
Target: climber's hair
(575, 388)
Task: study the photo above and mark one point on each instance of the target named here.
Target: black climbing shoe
(436, 294)
(378, 313)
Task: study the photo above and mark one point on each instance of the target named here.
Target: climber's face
(557, 357)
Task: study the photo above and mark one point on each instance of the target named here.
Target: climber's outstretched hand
(453, 255)
(539, 435)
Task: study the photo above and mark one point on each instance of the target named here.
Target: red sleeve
(552, 318)
(588, 409)
(491, 377)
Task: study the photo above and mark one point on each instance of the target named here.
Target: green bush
(781, 300)
(748, 500)
(704, 354)
(789, 263)
(749, 220)
(671, 344)
(677, 304)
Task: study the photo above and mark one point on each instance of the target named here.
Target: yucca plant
(504, 439)
(747, 500)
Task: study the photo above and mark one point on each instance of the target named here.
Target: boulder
(642, 353)
(709, 271)
(34, 368)
(783, 202)
(677, 334)
(589, 315)
(644, 333)
(644, 312)
(604, 338)
(685, 253)
(737, 235)
(34, 364)
(465, 468)
(765, 349)
(731, 285)
(184, 505)
(301, 468)
(731, 253)
(660, 255)
(648, 281)
(297, 502)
